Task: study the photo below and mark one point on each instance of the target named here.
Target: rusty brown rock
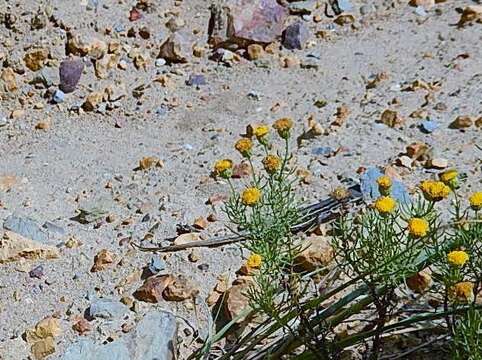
(236, 300)
(152, 289)
(317, 253)
(180, 289)
(35, 59)
(462, 122)
(175, 49)
(103, 260)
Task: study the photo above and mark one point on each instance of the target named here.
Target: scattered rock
(7, 182)
(305, 7)
(107, 309)
(103, 260)
(174, 49)
(48, 327)
(9, 80)
(14, 247)
(70, 72)
(196, 80)
(255, 52)
(180, 289)
(318, 253)
(26, 227)
(43, 348)
(437, 163)
(150, 162)
(93, 100)
(152, 289)
(429, 126)
(470, 14)
(58, 97)
(391, 118)
(82, 326)
(462, 122)
(35, 59)
(236, 300)
(245, 22)
(186, 238)
(295, 36)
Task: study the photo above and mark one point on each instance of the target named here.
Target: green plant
(384, 249)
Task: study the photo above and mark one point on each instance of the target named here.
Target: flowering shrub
(385, 250)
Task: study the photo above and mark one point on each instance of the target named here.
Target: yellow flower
(223, 168)
(417, 227)
(476, 200)
(251, 196)
(271, 163)
(261, 131)
(283, 127)
(457, 258)
(244, 146)
(254, 261)
(385, 204)
(384, 184)
(463, 291)
(448, 175)
(434, 190)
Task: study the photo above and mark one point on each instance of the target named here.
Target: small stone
(429, 126)
(470, 14)
(344, 19)
(200, 223)
(438, 163)
(107, 309)
(427, 4)
(391, 118)
(9, 80)
(420, 282)
(150, 162)
(14, 247)
(194, 255)
(303, 7)
(236, 300)
(462, 122)
(290, 62)
(417, 150)
(152, 289)
(255, 52)
(134, 14)
(186, 238)
(478, 122)
(318, 253)
(43, 348)
(58, 97)
(93, 100)
(180, 289)
(82, 326)
(295, 36)
(156, 265)
(37, 272)
(196, 80)
(405, 161)
(70, 72)
(175, 23)
(35, 59)
(103, 260)
(174, 49)
(46, 328)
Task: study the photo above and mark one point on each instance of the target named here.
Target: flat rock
(369, 187)
(317, 253)
(153, 338)
(295, 36)
(26, 227)
(107, 309)
(14, 247)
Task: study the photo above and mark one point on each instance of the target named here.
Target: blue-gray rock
(345, 5)
(153, 338)
(196, 80)
(87, 349)
(26, 227)
(37, 272)
(54, 229)
(369, 187)
(429, 126)
(58, 97)
(295, 36)
(323, 150)
(107, 309)
(302, 7)
(70, 72)
(156, 265)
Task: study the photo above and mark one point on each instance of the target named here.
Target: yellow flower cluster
(457, 258)
(244, 146)
(251, 196)
(283, 127)
(385, 204)
(223, 168)
(418, 227)
(261, 131)
(475, 200)
(254, 261)
(434, 190)
(463, 291)
(271, 163)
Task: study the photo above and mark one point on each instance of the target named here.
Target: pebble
(58, 97)
(37, 272)
(196, 80)
(429, 126)
(156, 265)
(295, 36)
